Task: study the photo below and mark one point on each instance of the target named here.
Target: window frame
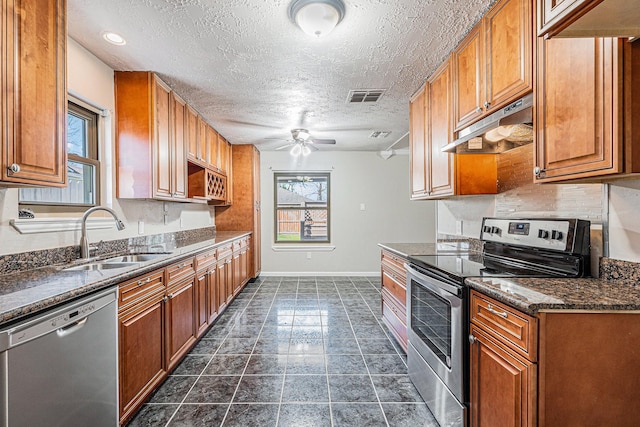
(276, 207)
(92, 120)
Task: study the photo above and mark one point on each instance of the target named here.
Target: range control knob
(495, 230)
(556, 235)
(486, 229)
(543, 234)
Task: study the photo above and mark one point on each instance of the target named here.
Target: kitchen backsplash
(153, 243)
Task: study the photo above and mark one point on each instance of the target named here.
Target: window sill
(52, 225)
(302, 248)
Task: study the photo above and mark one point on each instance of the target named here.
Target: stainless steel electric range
(437, 299)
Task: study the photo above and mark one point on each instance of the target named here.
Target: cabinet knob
(479, 110)
(487, 104)
(13, 168)
(165, 299)
(538, 172)
(472, 339)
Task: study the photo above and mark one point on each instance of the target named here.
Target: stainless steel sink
(134, 258)
(101, 265)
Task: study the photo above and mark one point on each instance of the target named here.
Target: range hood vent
(503, 130)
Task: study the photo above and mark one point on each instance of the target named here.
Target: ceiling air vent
(367, 95)
(379, 134)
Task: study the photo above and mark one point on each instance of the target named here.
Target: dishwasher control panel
(60, 320)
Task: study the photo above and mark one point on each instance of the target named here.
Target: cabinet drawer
(141, 288)
(180, 270)
(395, 321)
(393, 260)
(397, 306)
(237, 244)
(395, 284)
(224, 251)
(512, 327)
(205, 259)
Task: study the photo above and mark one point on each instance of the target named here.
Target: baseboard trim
(319, 273)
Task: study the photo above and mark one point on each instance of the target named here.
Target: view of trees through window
(302, 207)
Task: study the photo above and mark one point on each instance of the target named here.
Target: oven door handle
(431, 283)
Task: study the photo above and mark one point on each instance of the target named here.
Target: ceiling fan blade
(323, 141)
(284, 147)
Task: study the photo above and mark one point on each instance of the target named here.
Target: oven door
(435, 320)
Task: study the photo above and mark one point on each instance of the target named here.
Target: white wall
(624, 220)
(91, 80)
(356, 177)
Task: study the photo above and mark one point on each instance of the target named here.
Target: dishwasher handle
(69, 329)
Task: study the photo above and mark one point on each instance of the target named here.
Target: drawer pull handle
(142, 282)
(496, 312)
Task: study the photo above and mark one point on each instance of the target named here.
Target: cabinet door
(236, 273)
(202, 302)
(439, 133)
(201, 148)
(192, 134)
(181, 321)
(213, 301)
(468, 67)
(162, 138)
(509, 52)
(502, 385)
(224, 283)
(255, 239)
(223, 154)
(212, 148)
(417, 142)
(555, 15)
(33, 92)
(244, 266)
(141, 348)
(578, 133)
(178, 161)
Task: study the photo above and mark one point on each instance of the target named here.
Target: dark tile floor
(289, 351)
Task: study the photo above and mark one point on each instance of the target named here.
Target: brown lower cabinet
(555, 369)
(394, 296)
(162, 314)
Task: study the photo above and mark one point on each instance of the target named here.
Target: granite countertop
(533, 295)
(27, 292)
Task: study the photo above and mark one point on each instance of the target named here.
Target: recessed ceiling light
(114, 38)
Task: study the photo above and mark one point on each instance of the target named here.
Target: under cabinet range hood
(507, 128)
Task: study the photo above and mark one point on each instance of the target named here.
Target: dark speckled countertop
(27, 292)
(534, 295)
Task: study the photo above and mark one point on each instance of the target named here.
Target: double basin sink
(119, 261)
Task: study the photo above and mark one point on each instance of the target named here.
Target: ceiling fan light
(296, 150)
(306, 150)
(316, 17)
(303, 135)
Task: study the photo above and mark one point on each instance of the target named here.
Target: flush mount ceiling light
(316, 17)
(114, 38)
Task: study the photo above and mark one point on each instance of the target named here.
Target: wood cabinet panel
(161, 101)
(178, 163)
(502, 384)
(417, 144)
(34, 107)
(140, 289)
(395, 318)
(142, 355)
(513, 327)
(181, 320)
(509, 52)
(213, 157)
(468, 66)
(578, 129)
(202, 301)
(193, 134)
(394, 295)
(439, 133)
(245, 212)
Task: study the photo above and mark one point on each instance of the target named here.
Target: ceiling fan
(302, 143)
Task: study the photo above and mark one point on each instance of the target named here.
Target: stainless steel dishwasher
(60, 368)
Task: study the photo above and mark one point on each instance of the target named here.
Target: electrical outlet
(362, 207)
(459, 228)
(308, 255)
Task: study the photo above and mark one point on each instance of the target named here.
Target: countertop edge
(27, 310)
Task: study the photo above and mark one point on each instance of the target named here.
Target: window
(82, 164)
(302, 207)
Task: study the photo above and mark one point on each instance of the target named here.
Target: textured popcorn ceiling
(253, 75)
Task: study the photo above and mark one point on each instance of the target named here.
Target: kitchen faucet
(84, 243)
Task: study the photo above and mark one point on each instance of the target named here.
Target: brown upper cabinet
(434, 173)
(212, 149)
(149, 138)
(193, 135)
(34, 107)
(588, 102)
(492, 66)
(588, 18)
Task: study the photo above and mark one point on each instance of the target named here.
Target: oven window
(431, 321)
